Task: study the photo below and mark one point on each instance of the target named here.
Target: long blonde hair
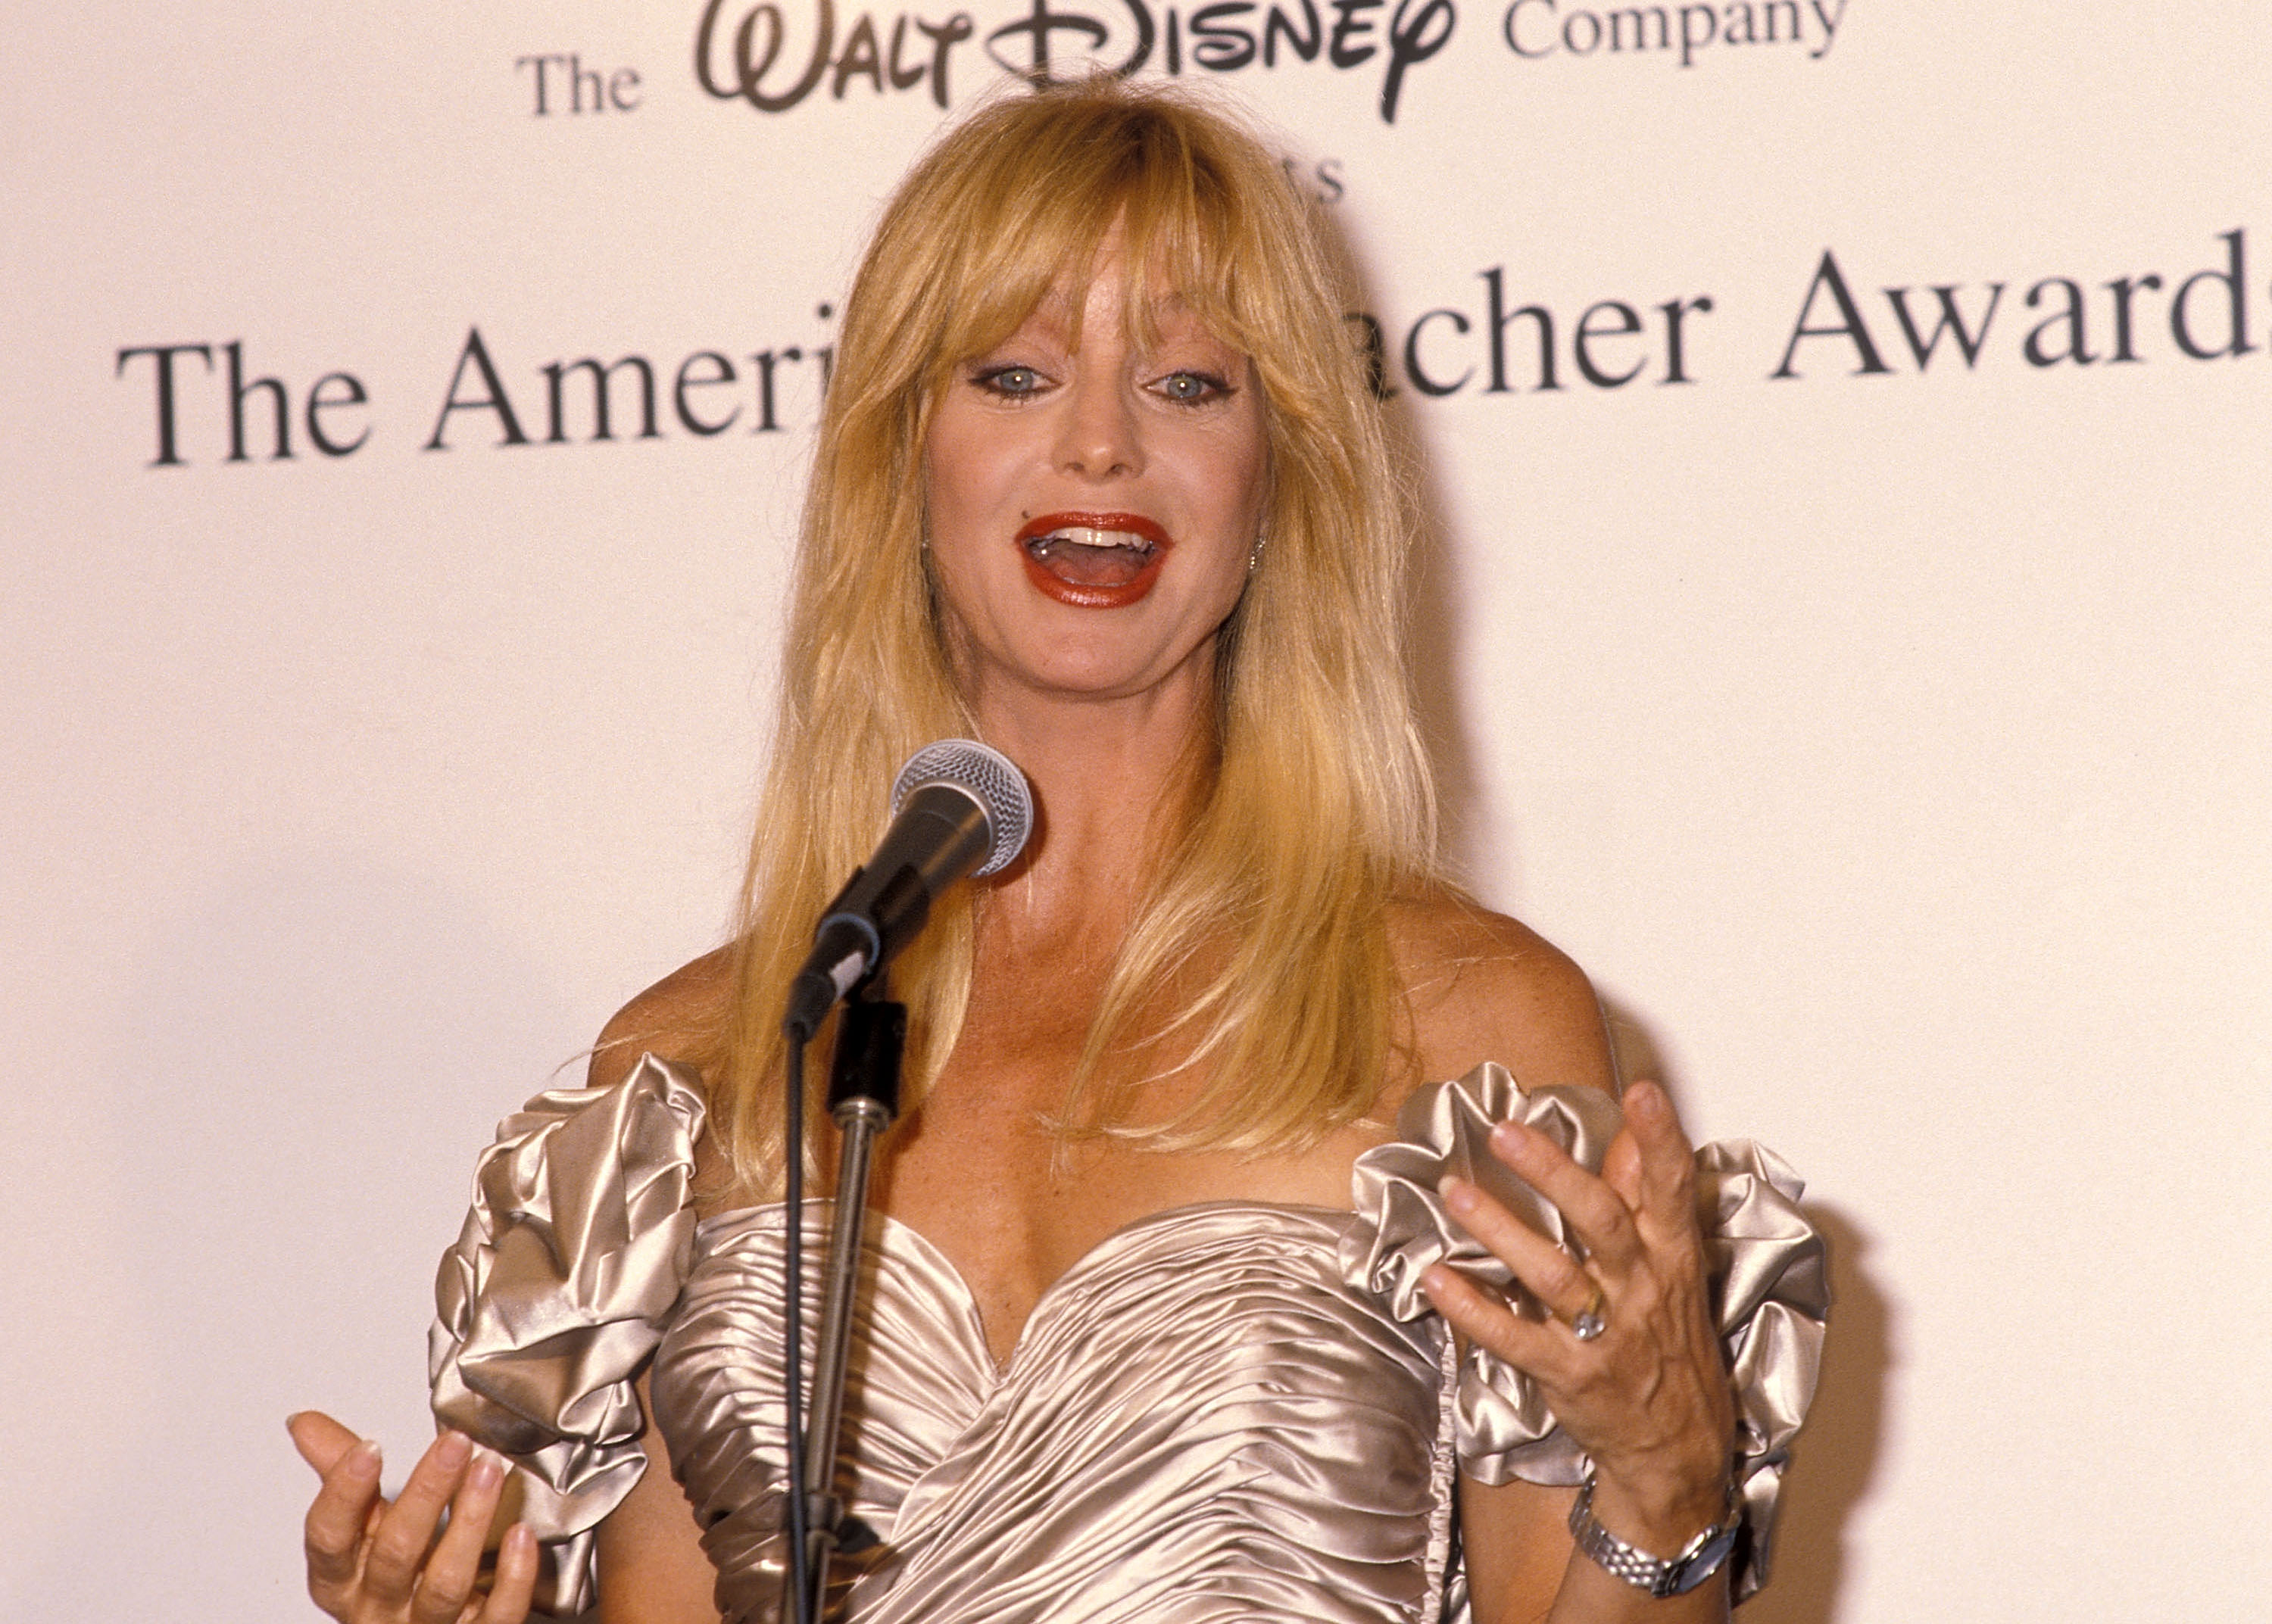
(1263, 935)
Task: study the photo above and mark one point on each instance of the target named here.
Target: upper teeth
(1082, 535)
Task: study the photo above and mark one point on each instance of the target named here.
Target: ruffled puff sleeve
(558, 1289)
(1769, 1283)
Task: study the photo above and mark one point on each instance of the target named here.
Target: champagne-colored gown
(1237, 1411)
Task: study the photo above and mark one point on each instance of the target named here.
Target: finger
(1621, 1168)
(1486, 1319)
(515, 1586)
(320, 1440)
(407, 1531)
(1602, 1222)
(1555, 1278)
(455, 1565)
(338, 1516)
(1668, 1161)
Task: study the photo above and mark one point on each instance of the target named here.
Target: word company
(1536, 30)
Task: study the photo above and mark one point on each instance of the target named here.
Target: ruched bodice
(1222, 1412)
(1200, 1422)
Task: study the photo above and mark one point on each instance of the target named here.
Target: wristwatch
(1658, 1576)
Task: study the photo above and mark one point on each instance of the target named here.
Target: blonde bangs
(1010, 207)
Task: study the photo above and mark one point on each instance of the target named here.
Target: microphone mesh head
(989, 778)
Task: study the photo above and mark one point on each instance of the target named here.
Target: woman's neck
(1115, 783)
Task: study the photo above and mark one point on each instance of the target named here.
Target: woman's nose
(1099, 437)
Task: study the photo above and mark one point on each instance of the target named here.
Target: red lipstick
(1096, 594)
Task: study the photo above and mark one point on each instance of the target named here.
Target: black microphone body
(956, 819)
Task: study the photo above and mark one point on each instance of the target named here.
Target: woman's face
(1091, 511)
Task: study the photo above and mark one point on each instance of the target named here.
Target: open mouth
(1096, 560)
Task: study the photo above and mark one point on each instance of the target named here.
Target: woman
(1100, 482)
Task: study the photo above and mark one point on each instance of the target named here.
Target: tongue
(1089, 566)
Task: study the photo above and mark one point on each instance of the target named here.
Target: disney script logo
(780, 52)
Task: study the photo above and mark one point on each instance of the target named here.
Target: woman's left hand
(1648, 1398)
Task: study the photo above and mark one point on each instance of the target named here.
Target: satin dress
(1228, 1412)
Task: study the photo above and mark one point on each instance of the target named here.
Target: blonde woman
(1182, 1236)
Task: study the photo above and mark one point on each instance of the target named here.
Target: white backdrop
(1887, 738)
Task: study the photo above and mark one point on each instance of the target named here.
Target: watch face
(1686, 1575)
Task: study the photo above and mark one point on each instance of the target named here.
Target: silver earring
(1254, 556)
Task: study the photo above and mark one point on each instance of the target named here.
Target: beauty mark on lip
(1094, 561)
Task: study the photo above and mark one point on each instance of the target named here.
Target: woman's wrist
(1662, 1512)
(1690, 1567)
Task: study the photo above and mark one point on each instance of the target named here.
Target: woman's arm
(652, 1565)
(1649, 1400)
(652, 1568)
(375, 1562)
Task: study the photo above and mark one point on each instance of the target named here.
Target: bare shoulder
(1483, 986)
(678, 1018)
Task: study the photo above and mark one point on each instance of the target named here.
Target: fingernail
(293, 1420)
(363, 1460)
(1511, 1138)
(453, 1449)
(1644, 1097)
(487, 1470)
(1458, 1194)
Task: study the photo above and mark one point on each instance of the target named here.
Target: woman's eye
(1010, 380)
(1191, 387)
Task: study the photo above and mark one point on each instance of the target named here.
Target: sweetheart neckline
(1093, 1258)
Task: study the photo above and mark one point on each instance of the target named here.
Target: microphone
(958, 808)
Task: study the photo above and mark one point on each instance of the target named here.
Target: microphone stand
(863, 1099)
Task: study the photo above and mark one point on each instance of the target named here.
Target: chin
(1089, 672)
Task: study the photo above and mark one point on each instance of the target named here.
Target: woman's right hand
(372, 1560)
